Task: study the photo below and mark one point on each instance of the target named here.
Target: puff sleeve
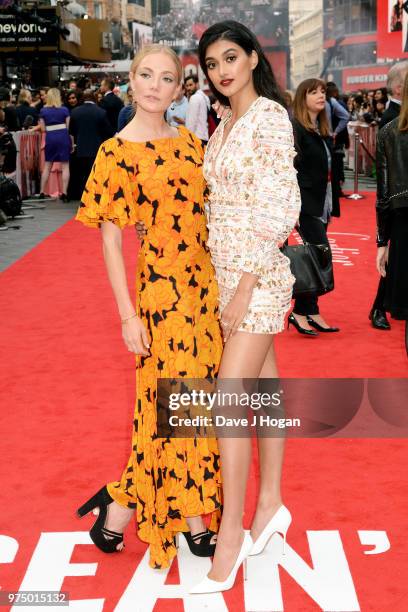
(276, 197)
(110, 190)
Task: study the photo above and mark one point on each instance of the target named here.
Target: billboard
(14, 32)
(392, 29)
(367, 77)
(142, 35)
(183, 23)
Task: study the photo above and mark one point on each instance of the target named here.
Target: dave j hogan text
(257, 420)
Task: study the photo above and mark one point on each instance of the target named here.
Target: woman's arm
(40, 127)
(340, 112)
(276, 196)
(133, 331)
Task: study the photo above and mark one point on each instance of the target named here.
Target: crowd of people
(23, 110)
(245, 180)
(78, 119)
(213, 284)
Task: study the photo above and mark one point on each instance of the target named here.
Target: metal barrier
(361, 154)
(366, 155)
(355, 195)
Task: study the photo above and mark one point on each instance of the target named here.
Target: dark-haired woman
(392, 212)
(315, 176)
(72, 100)
(397, 15)
(253, 205)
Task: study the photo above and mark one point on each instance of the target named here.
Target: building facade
(350, 39)
(306, 43)
(122, 15)
(301, 8)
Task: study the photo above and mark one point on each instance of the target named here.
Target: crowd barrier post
(355, 195)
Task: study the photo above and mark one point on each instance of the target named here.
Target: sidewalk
(16, 243)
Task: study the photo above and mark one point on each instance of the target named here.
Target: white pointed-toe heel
(279, 523)
(213, 586)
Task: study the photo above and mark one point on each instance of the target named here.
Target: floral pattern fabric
(253, 205)
(161, 183)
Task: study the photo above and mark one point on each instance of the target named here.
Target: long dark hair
(264, 80)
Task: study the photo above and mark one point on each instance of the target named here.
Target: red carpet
(68, 392)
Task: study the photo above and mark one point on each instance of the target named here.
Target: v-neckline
(224, 123)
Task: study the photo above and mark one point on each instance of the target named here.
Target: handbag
(312, 267)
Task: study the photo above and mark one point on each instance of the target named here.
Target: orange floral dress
(160, 182)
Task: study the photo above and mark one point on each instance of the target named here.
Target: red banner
(392, 32)
(364, 78)
(278, 61)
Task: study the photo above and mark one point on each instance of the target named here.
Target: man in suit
(395, 82)
(110, 102)
(89, 126)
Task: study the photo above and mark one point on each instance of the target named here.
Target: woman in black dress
(313, 163)
(392, 212)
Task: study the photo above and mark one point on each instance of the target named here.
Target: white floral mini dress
(252, 207)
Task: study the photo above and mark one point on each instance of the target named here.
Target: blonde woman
(54, 120)
(25, 109)
(152, 172)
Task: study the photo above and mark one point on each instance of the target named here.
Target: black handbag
(312, 266)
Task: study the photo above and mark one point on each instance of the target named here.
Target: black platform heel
(200, 543)
(300, 329)
(320, 328)
(99, 533)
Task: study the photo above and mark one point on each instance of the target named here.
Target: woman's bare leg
(243, 357)
(45, 175)
(65, 177)
(270, 451)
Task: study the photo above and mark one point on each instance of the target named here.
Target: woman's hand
(220, 109)
(141, 230)
(382, 259)
(135, 336)
(235, 311)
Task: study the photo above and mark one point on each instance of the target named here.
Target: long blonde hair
(24, 96)
(403, 116)
(54, 97)
(157, 48)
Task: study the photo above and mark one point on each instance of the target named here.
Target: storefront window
(349, 17)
